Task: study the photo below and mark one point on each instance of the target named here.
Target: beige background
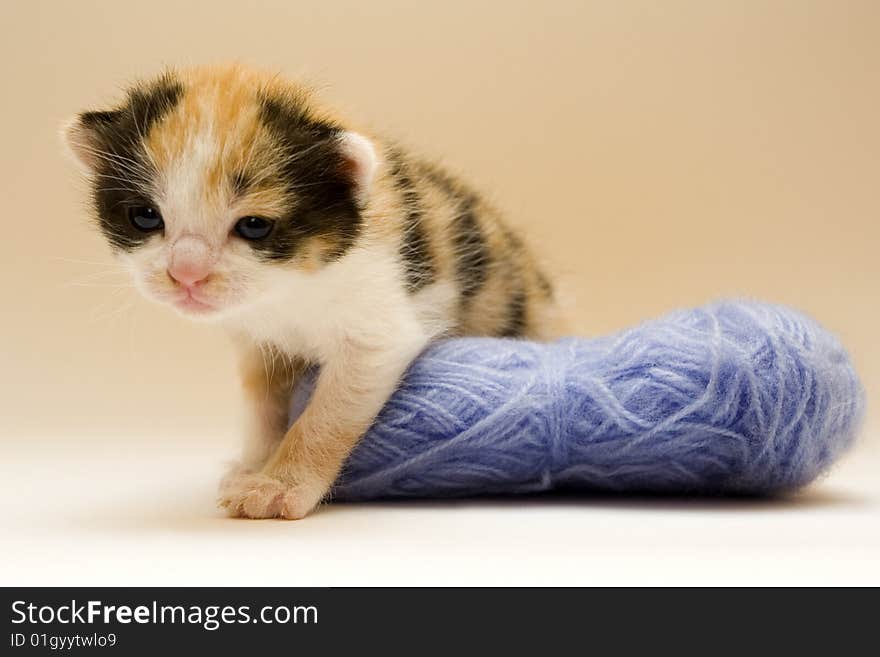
(657, 154)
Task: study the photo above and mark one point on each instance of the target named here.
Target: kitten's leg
(267, 379)
(350, 392)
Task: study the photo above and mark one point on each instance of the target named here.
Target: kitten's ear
(83, 135)
(359, 162)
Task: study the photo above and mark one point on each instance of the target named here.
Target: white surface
(138, 512)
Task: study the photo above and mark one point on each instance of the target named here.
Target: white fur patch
(357, 298)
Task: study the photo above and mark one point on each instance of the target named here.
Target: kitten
(233, 197)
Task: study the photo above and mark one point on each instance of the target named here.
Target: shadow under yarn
(809, 500)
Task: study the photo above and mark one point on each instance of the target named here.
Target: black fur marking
(414, 248)
(516, 245)
(516, 315)
(313, 171)
(98, 119)
(472, 252)
(440, 178)
(545, 285)
(513, 239)
(469, 244)
(124, 171)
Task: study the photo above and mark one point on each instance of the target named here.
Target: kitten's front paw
(256, 495)
(234, 471)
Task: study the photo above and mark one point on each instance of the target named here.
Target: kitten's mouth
(193, 304)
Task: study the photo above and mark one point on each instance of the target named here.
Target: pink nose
(191, 261)
(188, 274)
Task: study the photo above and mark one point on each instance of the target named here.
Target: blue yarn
(735, 397)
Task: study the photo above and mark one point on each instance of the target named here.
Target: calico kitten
(233, 197)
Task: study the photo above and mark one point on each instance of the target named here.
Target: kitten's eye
(253, 228)
(145, 218)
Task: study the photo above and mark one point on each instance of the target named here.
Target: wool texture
(734, 397)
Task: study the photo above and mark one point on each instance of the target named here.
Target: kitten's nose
(191, 261)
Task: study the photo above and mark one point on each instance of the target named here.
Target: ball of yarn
(734, 397)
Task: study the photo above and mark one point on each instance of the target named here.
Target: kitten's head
(211, 183)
